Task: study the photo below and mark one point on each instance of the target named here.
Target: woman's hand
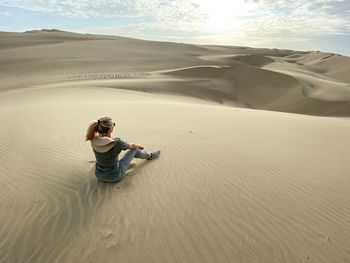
(134, 146)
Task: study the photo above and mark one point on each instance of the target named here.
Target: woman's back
(107, 152)
(106, 149)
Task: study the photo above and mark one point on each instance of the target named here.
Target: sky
(306, 25)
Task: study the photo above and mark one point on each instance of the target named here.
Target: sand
(254, 152)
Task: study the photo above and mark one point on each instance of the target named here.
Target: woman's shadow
(75, 209)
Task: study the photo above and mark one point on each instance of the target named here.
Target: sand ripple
(220, 192)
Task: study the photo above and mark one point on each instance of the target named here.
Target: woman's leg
(127, 158)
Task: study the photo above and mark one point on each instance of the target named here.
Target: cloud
(305, 7)
(77, 8)
(302, 16)
(214, 21)
(190, 13)
(158, 10)
(5, 14)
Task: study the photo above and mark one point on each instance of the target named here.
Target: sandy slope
(232, 185)
(247, 186)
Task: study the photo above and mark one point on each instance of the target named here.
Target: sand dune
(238, 180)
(254, 60)
(328, 64)
(314, 83)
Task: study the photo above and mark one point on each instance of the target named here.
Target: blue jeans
(124, 162)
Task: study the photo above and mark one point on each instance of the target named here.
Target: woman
(107, 149)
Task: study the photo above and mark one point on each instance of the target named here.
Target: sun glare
(224, 14)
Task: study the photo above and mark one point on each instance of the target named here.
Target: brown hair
(101, 126)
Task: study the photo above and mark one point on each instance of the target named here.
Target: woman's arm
(134, 146)
(124, 145)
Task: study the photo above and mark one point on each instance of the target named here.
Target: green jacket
(107, 151)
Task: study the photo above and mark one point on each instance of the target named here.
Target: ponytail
(91, 131)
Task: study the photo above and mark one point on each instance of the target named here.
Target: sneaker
(154, 155)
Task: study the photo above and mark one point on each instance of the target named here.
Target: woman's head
(103, 126)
